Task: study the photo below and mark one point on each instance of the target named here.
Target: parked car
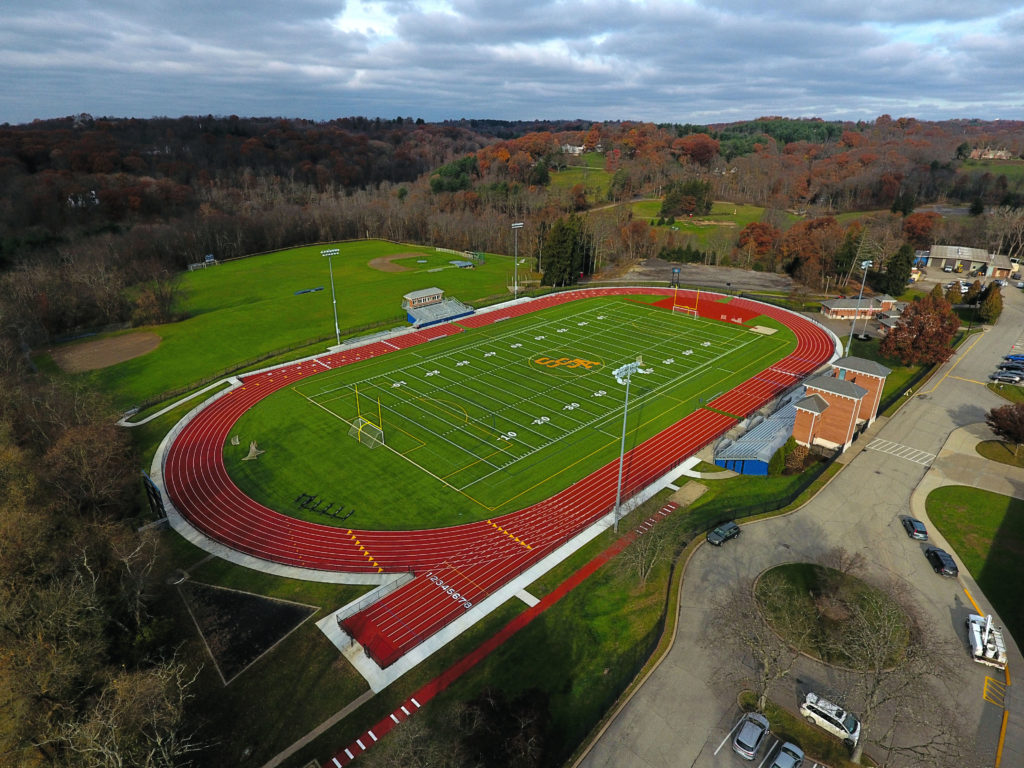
(750, 735)
(722, 533)
(1006, 377)
(1013, 367)
(790, 756)
(947, 269)
(1020, 285)
(821, 712)
(915, 529)
(941, 561)
(1013, 357)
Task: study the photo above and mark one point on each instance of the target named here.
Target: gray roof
(837, 386)
(422, 293)
(860, 365)
(764, 440)
(813, 403)
(447, 309)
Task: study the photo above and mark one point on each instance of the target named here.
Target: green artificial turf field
(489, 420)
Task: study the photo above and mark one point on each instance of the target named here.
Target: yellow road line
(994, 692)
(976, 608)
(1002, 738)
(962, 356)
(970, 381)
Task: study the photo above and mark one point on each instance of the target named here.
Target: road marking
(970, 381)
(902, 451)
(729, 734)
(966, 351)
(995, 692)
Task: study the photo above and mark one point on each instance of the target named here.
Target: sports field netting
(512, 412)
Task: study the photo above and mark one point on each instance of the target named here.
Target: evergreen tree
(566, 252)
(991, 305)
(897, 271)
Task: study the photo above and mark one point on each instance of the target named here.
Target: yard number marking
(599, 393)
(570, 407)
(397, 384)
(541, 420)
(668, 361)
(432, 373)
(507, 436)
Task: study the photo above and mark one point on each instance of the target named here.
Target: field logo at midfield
(565, 362)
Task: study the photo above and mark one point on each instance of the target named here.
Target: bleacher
(441, 312)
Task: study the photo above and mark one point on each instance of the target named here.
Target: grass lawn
(808, 605)
(1013, 170)
(1012, 392)
(503, 427)
(242, 309)
(986, 530)
(1001, 451)
(592, 175)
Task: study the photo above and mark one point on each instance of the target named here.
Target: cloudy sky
(662, 61)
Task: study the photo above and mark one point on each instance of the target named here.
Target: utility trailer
(986, 641)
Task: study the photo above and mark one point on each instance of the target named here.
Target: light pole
(330, 253)
(865, 265)
(622, 375)
(516, 226)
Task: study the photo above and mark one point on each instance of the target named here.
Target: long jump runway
(456, 567)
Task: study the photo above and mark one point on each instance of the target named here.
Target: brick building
(837, 404)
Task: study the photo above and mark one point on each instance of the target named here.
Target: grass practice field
(489, 420)
(241, 309)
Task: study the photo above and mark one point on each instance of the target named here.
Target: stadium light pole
(330, 253)
(516, 226)
(865, 265)
(623, 376)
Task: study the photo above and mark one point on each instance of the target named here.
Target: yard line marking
(902, 451)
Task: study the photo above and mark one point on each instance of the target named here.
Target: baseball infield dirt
(386, 263)
(92, 355)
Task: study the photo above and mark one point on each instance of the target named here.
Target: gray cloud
(656, 60)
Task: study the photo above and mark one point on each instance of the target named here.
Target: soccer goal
(367, 433)
(686, 311)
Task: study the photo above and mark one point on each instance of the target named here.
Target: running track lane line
(347, 754)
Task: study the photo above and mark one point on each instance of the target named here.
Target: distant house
(991, 154)
(573, 149)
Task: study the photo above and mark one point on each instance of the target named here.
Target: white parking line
(768, 754)
(902, 451)
(729, 735)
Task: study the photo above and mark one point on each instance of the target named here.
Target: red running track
(459, 566)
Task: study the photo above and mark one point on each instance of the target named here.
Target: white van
(832, 718)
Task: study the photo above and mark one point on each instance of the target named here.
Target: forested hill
(94, 208)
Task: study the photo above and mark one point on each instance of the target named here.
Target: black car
(722, 533)
(915, 529)
(941, 561)
(1015, 367)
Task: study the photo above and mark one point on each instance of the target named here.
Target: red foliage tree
(923, 333)
(918, 228)
(1008, 423)
(698, 147)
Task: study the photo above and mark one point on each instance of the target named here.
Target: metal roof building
(750, 453)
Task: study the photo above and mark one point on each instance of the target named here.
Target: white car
(831, 717)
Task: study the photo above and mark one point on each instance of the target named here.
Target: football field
(494, 418)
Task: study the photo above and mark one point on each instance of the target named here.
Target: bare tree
(738, 622)
(897, 661)
(648, 549)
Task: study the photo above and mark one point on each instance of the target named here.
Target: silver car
(750, 736)
(790, 756)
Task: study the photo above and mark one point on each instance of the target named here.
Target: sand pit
(386, 263)
(92, 355)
